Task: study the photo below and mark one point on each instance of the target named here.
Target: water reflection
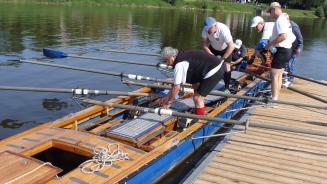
(26, 29)
(36, 26)
(10, 123)
(54, 104)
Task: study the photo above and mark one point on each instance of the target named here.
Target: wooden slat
(14, 165)
(268, 156)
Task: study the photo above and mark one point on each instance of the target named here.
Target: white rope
(19, 177)
(103, 157)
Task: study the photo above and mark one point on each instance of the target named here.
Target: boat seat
(140, 130)
(147, 126)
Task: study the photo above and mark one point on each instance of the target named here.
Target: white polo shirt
(283, 25)
(267, 30)
(220, 38)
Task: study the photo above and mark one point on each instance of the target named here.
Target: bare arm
(276, 41)
(237, 61)
(229, 50)
(205, 46)
(170, 96)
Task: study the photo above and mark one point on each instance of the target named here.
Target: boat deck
(267, 156)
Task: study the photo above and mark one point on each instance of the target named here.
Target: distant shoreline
(187, 4)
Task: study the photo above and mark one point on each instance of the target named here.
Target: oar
(162, 111)
(219, 93)
(119, 74)
(59, 54)
(129, 52)
(290, 88)
(77, 91)
(297, 76)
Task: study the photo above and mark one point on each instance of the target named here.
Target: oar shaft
(307, 94)
(130, 52)
(308, 79)
(119, 61)
(118, 74)
(219, 93)
(78, 91)
(292, 89)
(206, 118)
(297, 76)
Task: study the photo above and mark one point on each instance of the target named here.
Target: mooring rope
(19, 177)
(103, 157)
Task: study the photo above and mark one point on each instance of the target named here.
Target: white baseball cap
(274, 5)
(238, 43)
(256, 20)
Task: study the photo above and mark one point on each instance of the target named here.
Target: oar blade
(54, 53)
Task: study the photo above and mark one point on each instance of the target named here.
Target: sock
(227, 77)
(200, 111)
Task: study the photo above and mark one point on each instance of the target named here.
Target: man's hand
(163, 100)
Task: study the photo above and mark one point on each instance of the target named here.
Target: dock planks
(268, 156)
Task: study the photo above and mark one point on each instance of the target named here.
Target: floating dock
(268, 156)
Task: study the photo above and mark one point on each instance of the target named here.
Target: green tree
(320, 12)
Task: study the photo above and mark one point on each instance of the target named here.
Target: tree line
(319, 6)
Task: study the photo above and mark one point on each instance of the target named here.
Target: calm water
(25, 30)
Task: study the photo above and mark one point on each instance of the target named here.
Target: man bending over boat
(198, 68)
(217, 40)
(266, 28)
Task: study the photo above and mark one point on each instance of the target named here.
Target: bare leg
(276, 82)
(198, 100)
(227, 75)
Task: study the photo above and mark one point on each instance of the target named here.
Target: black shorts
(281, 58)
(221, 53)
(207, 85)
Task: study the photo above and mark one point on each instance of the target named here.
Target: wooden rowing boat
(154, 144)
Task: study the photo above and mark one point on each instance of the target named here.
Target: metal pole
(217, 135)
(162, 111)
(297, 76)
(118, 74)
(160, 65)
(130, 52)
(290, 88)
(77, 91)
(219, 93)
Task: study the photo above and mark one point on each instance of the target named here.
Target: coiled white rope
(19, 177)
(103, 157)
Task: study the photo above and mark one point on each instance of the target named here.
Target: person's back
(196, 63)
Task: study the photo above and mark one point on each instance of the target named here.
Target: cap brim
(237, 46)
(254, 25)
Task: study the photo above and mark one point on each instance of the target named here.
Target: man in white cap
(238, 54)
(266, 28)
(217, 40)
(282, 38)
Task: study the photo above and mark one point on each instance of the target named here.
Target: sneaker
(272, 104)
(286, 84)
(227, 91)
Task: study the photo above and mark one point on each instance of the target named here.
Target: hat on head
(274, 5)
(256, 20)
(208, 22)
(238, 43)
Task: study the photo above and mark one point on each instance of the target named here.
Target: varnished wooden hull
(149, 161)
